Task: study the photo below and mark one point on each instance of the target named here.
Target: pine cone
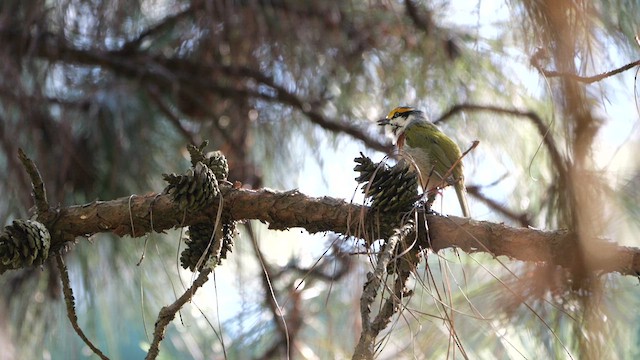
(217, 162)
(394, 190)
(24, 243)
(391, 190)
(197, 153)
(194, 190)
(366, 168)
(228, 234)
(199, 238)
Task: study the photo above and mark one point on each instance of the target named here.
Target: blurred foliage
(105, 95)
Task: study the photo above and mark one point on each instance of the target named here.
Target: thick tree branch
(282, 210)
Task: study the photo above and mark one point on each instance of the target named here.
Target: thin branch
(423, 23)
(542, 128)
(168, 313)
(286, 97)
(167, 72)
(319, 269)
(39, 192)
(399, 292)
(71, 307)
(584, 79)
(270, 299)
(164, 25)
(392, 304)
(173, 119)
(522, 219)
(365, 347)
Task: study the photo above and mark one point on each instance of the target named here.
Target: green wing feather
(443, 153)
(442, 150)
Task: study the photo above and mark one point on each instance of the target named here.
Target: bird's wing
(440, 145)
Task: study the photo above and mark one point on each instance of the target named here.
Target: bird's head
(400, 117)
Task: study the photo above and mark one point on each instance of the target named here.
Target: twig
(365, 347)
(71, 307)
(271, 300)
(167, 313)
(423, 23)
(318, 269)
(165, 25)
(523, 219)
(168, 112)
(584, 79)
(391, 304)
(39, 192)
(542, 128)
(443, 183)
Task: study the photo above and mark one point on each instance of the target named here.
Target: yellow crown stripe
(399, 110)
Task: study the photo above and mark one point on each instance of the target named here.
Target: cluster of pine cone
(194, 191)
(391, 191)
(214, 160)
(199, 239)
(198, 188)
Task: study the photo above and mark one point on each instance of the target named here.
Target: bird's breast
(417, 157)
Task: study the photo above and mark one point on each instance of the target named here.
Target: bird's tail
(461, 191)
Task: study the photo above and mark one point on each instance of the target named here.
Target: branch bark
(283, 210)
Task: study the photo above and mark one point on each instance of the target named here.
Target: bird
(433, 155)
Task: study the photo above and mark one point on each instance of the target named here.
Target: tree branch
(283, 210)
(543, 130)
(71, 307)
(583, 79)
(167, 313)
(37, 185)
(521, 219)
(370, 329)
(287, 97)
(167, 72)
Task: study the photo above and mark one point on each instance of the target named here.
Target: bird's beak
(383, 122)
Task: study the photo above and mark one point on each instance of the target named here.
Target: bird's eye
(396, 115)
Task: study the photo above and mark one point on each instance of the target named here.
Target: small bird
(429, 151)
